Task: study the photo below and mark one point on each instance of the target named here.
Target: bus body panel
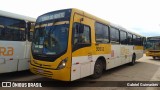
(15, 41)
(8, 66)
(81, 66)
(23, 64)
(138, 51)
(120, 54)
(18, 60)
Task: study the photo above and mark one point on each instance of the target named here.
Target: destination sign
(54, 15)
(154, 38)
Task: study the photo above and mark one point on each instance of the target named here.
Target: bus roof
(16, 16)
(97, 19)
(103, 21)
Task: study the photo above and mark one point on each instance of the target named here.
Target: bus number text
(99, 48)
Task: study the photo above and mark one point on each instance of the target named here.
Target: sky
(139, 16)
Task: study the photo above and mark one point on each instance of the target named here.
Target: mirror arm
(81, 20)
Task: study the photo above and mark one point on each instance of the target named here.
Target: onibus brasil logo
(20, 84)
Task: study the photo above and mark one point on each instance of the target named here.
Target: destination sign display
(154, 38)
(54, 15)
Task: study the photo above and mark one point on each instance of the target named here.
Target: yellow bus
(153, 47)
(71, 44)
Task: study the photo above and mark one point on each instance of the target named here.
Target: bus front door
(81, 48)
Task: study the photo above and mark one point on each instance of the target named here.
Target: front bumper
(63, 74)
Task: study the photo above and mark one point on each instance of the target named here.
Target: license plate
(40, 71)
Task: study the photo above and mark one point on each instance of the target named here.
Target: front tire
(98, 69)
(154, 57)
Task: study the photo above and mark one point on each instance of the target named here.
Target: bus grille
(44, 73)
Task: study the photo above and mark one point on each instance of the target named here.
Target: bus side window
(2, 32)
(139, 41)
(114, 35)
(12, 29)
(130, 39)
(123, 37)
(102, 33)
(134, 40)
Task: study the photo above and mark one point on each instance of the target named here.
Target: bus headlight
(62, 64)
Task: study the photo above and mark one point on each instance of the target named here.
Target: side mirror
(81, 29)
(76, 28)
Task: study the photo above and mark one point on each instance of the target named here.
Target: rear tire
(133, 60)
(154, 57)
(98, 69)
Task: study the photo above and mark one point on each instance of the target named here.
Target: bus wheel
(98, 69)
(154, 57)
(133, 60)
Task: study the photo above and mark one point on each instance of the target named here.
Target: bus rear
(15, 42)
(153, 47)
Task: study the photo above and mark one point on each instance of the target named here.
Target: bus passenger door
(81, 48)
(24, 64)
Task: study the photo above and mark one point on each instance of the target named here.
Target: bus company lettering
(6, 51)
(124, 51)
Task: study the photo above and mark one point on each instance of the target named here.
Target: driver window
(81, 34)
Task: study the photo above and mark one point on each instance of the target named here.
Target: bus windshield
(50, 40)
(153, 45)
